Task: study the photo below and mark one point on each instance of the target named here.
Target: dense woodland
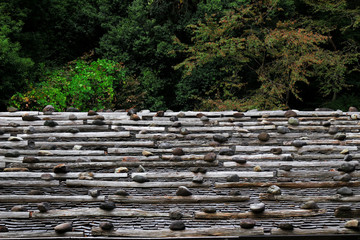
(179, 54)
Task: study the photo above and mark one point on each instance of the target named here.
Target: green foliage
(14, 67)
(84, 85)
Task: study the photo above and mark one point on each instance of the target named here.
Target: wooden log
(313, 174)
(294, 164)
(47, 198)
(97, 212)
(102, 143)
(178, 199)
(288, 184)
(14, 215)
(221, 174)
(45, 129)
(59, 176)
(266, 214)
(189, 232)
(116, 164)
(209, 129)
(17, 183)
(321, 231)
(89, 183)
(40, 234)
(59, 152)
(106, 158)
(294, 198)
(139, 128)
(264, 148)
(14, 144)
(171, 136)
(194, 122)
(77, 135)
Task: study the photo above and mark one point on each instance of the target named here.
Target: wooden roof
(153, 174)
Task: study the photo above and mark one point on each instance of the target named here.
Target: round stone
(348, 158)
(159, 114)
(290, 113)
(107, 206)
(47, 177)
(61, 168)
(276, 151)
(178, 152)
(165, 145)
(347, 167)
(238, 115)
(198, 179)
(140, 179)
(239, 160)
(333, 130)
(175, 214)
(204, 119)
(18, 208)
(209, 210)
(257, 207)
(177, 226)
(210, 157)
(344, 177)
(174, 119)
(183, 191)
(94, 192)
(298, 143)
(121, 192)
(353, 109)
(184, 131)
(64, 227)
(286, 226)
(275, 190)
(43, 207)
(263, 136)
(282, 129)
(72, 117)
(107, 226)
(293, 121)
(226, 151)
(352, 224)
(50, 123)
(340, 136)
(309, 205)
(233, 178)
(247, 223)
(220, 138)
(257, 168)
(345, 191)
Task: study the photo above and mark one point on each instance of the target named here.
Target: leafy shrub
(81, 84)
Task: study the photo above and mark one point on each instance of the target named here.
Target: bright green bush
(81, 84)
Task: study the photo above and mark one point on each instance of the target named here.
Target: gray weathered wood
(178, 199)
(14, 215)
(77, 135)
(99, 143)
(59, 176)
(116, 164)
(318, 231)
(295, 164)
(289, 184)
(40, 234)
(266, 214)
(190, 232)
(219, 174)
(48, 198)
(89, 183)
(313, 174)
(59, 152)
(97, 212)
(294, 198)
(17, 183)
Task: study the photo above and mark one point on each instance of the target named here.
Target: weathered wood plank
(89, 183)
(2, 164)
(97, 212)
(313, 174)
(294, 198)
(119, 164)
(99, 143)
(194, 232)
(323, 231)
(40, 234)
(14, 215)
(266, 214)
(221, 174)
(17, 183)
(172, 136)
(14, 144)
(58, 152)
(178, 199)
(47, 198)
(289, 184)
(59, 176)
(295, 164)
(77, 135)
(138, 128)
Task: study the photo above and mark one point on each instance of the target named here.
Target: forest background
(179, 54)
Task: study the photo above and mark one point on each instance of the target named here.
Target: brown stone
(263, 136)
(238, 115)
(276, 151)
(64, 227)
(134, 117)
(290, 113)
(178, 152)
(353, 109)
(61, 168)
(210, 157)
